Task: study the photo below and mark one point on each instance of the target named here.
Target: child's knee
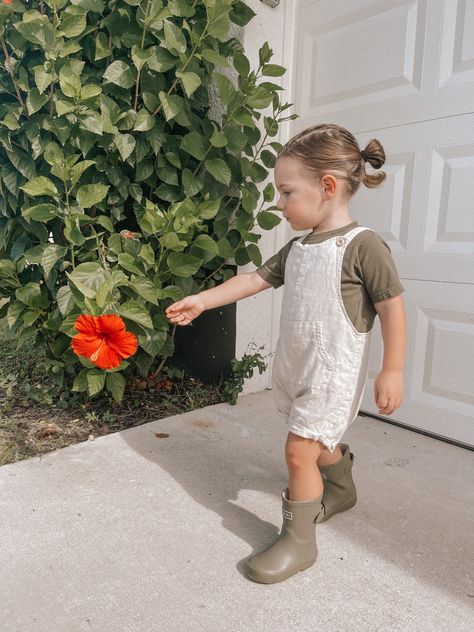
(300, 451)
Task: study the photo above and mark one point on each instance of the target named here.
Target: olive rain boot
(295, 548)
(339, 489)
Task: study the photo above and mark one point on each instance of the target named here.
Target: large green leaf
(120, 74)
(267, 221)
(213, 56)
(95, 381)
(144, 121)
(226, 89)
(183, 265)
(219, 25)
(64, 299)
(219, 170)
(88, 277)
(133, 310)
(140, 56)
(40, 186)
(174, 38)
(72, 25)
(195, 144)
(77, 171)
(191, 81)
(90, 194)
(172, 105)
(95, 6)
(29, 294)
(192, 184)
(208, 210)
(161, 60)
(51, 254)
(125, 143)
(40, 212)
(115, 384)
(22, 162)
(37, 29)
(128, 263)
(35, 101)
(241, 14)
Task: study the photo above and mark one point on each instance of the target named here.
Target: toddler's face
(300, 195)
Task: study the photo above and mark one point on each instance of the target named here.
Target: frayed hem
(329, 444)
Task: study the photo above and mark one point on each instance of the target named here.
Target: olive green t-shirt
(368, 275)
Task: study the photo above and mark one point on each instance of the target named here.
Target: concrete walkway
(135, 533)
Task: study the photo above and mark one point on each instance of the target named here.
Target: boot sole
(338, 510)
(261, 580)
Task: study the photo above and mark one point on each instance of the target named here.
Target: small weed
(243, 369)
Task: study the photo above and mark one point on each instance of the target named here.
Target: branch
(8, 64)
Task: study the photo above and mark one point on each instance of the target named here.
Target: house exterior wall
(258, 315)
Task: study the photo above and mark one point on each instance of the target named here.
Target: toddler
(337, 279)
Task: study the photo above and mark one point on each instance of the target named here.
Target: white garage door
(403, 72)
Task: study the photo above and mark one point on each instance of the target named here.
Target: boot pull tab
(323, 511)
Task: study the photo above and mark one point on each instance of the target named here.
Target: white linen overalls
(321, 361)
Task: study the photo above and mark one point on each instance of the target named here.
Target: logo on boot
(287, 514)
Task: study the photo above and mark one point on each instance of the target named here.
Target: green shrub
(118, 191)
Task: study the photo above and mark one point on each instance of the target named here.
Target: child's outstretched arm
(388, 386)
(240, 286)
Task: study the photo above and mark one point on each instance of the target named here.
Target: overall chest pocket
(301, 358)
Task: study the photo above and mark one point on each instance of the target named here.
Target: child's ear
(328, 183)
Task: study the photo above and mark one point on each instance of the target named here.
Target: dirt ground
(30, 429)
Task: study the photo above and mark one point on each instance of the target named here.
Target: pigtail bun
(375, 155)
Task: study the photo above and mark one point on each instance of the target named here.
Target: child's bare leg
(327, 458)
(304, 479)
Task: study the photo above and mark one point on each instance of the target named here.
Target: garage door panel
(383, 61)
(372, 77)
(402, 71)
(449, 228)
(457, 44)
(438, 375)
(387, 209)
(425, 208)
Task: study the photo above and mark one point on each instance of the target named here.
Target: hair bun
(374, 154)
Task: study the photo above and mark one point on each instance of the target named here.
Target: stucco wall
(258, 316)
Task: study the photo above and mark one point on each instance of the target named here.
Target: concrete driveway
(136, 533)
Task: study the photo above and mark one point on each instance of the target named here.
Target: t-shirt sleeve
(378, 269)
(273, 269)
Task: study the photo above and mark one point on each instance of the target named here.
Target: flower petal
(105, 357)
(85, 345)
(86, 324)
(110, 324)
(125, 343)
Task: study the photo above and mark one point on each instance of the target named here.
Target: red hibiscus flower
(103, 340)
(7, 1)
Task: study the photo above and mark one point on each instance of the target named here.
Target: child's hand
(184, 311)
(388, 391)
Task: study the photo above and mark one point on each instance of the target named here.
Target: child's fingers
(173, 307)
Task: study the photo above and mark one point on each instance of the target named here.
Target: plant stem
(163, 361)
(137, 85)
(8, 64)
(202, 37)
(51, 102)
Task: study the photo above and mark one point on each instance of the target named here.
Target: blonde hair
(329, 147)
